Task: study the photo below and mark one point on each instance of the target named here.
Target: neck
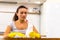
(21, 21)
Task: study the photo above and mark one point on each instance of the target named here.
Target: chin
(22, 19)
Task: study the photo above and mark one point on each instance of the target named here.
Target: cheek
(18, 15)
(26, 15)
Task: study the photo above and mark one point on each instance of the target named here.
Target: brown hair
(15, 16)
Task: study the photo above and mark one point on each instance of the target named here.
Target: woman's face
(22, 13)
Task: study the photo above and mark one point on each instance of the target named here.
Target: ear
(16, 14)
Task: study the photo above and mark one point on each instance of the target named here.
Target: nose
(24, 14)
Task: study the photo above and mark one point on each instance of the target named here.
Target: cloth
(25, 31)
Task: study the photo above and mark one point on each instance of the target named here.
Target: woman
(20, 23)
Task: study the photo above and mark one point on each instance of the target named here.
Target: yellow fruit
(34, 35)
(12, 35)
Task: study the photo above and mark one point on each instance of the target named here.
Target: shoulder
(11, 23)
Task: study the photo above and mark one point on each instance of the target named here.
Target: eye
(25, 12)
(21, 13)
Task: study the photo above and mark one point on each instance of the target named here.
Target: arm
(7, 31)
(34, 29)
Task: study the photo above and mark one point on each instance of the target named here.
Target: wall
(51, 19)
(7, 12)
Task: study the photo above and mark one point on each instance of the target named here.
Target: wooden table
(31, 39)
(21, 39)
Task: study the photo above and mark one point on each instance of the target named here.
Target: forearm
(7, 31)
(35, 30)
(5, 35)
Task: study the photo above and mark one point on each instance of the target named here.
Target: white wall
(6, 18)
(51, 18)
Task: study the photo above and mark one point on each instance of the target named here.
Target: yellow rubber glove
(12, 34)
(34, 35)
(21, 35)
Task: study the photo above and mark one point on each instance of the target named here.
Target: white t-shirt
(26, 31)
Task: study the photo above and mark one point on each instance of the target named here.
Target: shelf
(14, 12)
(33, 13)
(24, 3)
(30, 3)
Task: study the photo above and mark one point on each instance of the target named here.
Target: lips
(23, 17)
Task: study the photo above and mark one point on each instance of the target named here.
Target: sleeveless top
(25, 31)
